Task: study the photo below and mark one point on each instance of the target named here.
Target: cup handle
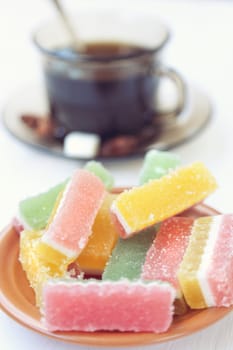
(171, 74)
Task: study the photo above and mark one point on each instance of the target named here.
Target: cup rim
(84, 57)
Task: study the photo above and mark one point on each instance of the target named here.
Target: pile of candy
(146, 263)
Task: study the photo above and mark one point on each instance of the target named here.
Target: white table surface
(201, 48)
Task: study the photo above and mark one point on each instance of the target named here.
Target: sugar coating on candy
(206, 273)
(187, 273)
(72, 222)
(207, 260)
(104, 236)
(36, 270)
(99, 170)
(166, 253)
(128, 257)
(159, 199)
(109, 305)
(220, 262)
(157, 164)
(35, 211)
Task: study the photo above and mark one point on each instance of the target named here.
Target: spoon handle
(76, 43)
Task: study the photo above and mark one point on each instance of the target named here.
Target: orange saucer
(18, 301)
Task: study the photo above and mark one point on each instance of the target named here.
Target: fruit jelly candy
(157, 164)
(206, 272)
(35, 211)
(140, 207)
(107, 305)
(71, 223)
(99, 170)
(95, 255)
(128, 256)
(166, 253)
(36, 270)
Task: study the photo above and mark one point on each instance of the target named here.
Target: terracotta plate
(17, 300)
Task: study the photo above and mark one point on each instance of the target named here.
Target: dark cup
(109, 87)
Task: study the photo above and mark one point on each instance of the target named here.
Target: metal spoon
(76, 42)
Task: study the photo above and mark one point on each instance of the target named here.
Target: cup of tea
(110, 87)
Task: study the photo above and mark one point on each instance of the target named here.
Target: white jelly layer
(128, 230)
(202, 274)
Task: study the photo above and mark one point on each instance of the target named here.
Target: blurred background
(200, 48)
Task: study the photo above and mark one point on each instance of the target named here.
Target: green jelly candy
(157, 164)
(35, 211)
(128, 256)
(100, 171)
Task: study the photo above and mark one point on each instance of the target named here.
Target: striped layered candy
(94, 256)
(100, 171)
(72, 219)
(166, 253)
(206, 271)
(107, 305)
(34, 212)
(37, 271)
(128, 257)
(159, 199)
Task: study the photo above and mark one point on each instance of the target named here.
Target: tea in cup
(109, 87)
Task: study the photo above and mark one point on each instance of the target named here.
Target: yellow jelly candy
(159, 199)
(36, 270)
(95, 255)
